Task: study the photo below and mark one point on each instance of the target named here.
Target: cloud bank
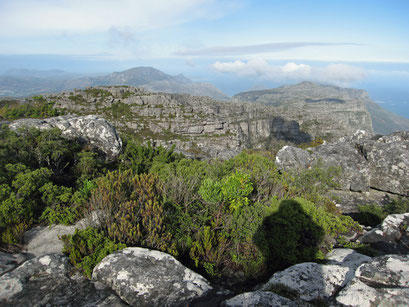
(337, 74)
(45, 17)
(252, 49)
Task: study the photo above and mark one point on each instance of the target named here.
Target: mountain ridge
(305, 94)
(24, 83)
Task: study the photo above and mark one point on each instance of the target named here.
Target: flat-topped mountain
(206, 127)
(328, 105)
(20, 83)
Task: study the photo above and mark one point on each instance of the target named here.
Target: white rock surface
(259, 298)
(311, 281)
(143, 277)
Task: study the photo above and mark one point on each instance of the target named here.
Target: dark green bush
(87, 247)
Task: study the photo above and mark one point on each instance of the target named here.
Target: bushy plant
(87, 247)
(131, 211)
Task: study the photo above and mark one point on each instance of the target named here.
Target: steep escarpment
(198, 126)
(322, 111)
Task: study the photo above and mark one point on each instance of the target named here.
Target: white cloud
(253, 49)
(45, 17)
(338, 74)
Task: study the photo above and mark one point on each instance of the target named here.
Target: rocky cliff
(322, 110)
(198, 126)
(374, 167)
(206, 127)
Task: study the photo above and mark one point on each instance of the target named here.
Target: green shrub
(370, 215)
(131, 210)
(299, 231)
(87, 247)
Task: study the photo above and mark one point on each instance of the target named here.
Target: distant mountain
(309, 97)
(25, 82)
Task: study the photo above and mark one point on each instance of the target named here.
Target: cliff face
(322, 111)
(200, 126)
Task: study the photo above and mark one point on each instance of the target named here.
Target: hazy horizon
(237, 45)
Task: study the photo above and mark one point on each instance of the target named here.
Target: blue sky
(237, 45)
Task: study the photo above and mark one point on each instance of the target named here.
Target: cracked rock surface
(143, 277)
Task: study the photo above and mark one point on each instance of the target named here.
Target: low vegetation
(234, 221)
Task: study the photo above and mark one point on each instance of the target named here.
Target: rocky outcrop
(50, 281)
(259, 298)
(90, 129)
(382, 282)
(392, 236)
(322, 110)
(368, 162)
(310, 281)
(197, 126)
(143, 277)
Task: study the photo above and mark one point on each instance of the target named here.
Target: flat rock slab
(386, 271)
(260, 299)
(311, 281)
(359, 294)
(48, 280)
(143, 277)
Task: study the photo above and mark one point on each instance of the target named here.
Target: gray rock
(290, 157)
(259, 299)
(391, 236)
(48, 280)
(382, 282)
(311, 281)
(372, 164)
(42, 240)
(386, 271)
(359, 294)
(143, 277)
(347, 258)
(10, 261)
(388, 158)
(91, 129)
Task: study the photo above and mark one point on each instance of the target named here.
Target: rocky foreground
(142, 277)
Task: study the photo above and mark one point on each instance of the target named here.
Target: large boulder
(369, 163)
(382, 282)
(310, 281)
(143, 277)
(259, 298)
(90, 129)
(50, 281)
(392, 236)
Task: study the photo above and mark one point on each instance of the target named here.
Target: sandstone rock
(372, 164)
(358, 294)
(382, 282)
(392, 236)
(388, 158)
(347, 258)
(386, 271)
(48, 280)
(260, 299)
(311, 281)
(143, 277)
(42, 240)
(90, 129)
(10, 261)
(290, 157)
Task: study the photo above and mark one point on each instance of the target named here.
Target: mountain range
(291, 101)
(23, 83)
